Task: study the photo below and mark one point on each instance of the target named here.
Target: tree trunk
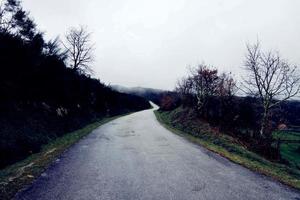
(266, 134)
(264, 123)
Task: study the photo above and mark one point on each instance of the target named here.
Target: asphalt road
(134, 157)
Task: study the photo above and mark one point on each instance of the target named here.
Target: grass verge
(15, 177)
(229, 148)
(290, 152)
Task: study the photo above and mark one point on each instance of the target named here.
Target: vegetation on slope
(202, 133)
(43, 95)
(208, 108)
(24, 172)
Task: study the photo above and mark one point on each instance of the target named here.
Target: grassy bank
(227, 147)
(290, 152)
(14, 177)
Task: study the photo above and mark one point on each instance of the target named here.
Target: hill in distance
(151, 94)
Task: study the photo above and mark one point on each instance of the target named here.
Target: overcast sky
(150, 43)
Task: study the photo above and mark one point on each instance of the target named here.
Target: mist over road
(134, 157)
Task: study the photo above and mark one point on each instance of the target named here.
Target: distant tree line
(45, 87)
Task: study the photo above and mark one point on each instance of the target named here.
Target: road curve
(134, 157)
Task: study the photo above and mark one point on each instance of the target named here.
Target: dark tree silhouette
(8, 9)
(13, 19)
(79, 49)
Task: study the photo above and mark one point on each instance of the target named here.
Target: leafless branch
(270, 78)
(79, 49)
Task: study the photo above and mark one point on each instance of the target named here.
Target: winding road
(134, 157)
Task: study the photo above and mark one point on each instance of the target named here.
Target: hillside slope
(42, 99)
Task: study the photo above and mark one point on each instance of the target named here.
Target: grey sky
(151, 42)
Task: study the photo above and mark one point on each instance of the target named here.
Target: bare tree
(205, 84)
(271, 79)
(79, 49)
(184, 86)
(185, 89)
(227, 86)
